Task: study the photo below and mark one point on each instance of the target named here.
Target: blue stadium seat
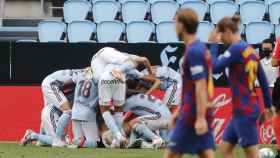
(204, 29)
(80, 31)
(183, 1)
(220, 9)
(105, 10)
(165, 32)
(110, 31)
(277, 31)
(123, 1)
(274, 12)
(134, 11)
(268, 2)
(163, 11)
(212, 1)
(153, 1)
(252, 11)
(74, 10)
(200, 7)
(51, 31)
(139, 31)
(256, 32)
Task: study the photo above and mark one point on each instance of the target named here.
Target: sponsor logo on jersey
(114, 81)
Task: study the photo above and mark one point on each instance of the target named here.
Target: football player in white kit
(53, 88)
(84, 124)
(149, 115)
(109, 67)
(49, 118)
(171, 83)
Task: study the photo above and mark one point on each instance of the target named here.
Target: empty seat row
(183, 1)
(139, 31)
(107, 31)
(250, 11)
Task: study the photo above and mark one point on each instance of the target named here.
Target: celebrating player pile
(112, 98)
(100, 98)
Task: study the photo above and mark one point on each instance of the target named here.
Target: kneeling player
(54, 87)
(84, 111)
(49, 120)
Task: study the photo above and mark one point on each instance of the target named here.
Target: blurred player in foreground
(244, 69)
(192, 132)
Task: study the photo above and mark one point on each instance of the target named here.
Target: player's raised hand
(201, 126)
(118, 75)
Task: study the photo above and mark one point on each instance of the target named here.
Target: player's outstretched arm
(146, 62)
(201, 96)
(155, 81)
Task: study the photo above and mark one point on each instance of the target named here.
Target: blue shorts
(184, 140)
(242, 130)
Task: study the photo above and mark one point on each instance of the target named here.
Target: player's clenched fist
(201, 126)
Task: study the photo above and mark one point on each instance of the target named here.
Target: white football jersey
(166, 75)
(61, 77)
(85, 99)
(142, 104)
(104, 57)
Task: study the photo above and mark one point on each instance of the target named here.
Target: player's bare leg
(251, 151)
(207, 154)
(171, 154)
(62, 123)
(226, 149)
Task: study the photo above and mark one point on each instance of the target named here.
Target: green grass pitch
(13, 150)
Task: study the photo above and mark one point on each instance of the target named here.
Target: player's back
(142, 104)
(242, 77)
(61, 77)
(166, 75)
(85, 99)
(196, 66)
(104, 57)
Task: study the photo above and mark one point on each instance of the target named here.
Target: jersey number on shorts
(85, 87)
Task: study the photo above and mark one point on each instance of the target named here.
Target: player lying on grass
(109, 68)
(170, 83)
(244, 69)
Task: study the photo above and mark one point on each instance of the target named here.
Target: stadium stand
(200, 7)
(256, 32)
(81, 31)
(51, 31)
(152, 15)
(251, 11)
(134, 11)
(274, 12)
(74, 10)
(141, 31)
(277, 31)
(110, 31)
(165, 32)
(163, 11)
(220, 9)
(105, 11)
(204, 30)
